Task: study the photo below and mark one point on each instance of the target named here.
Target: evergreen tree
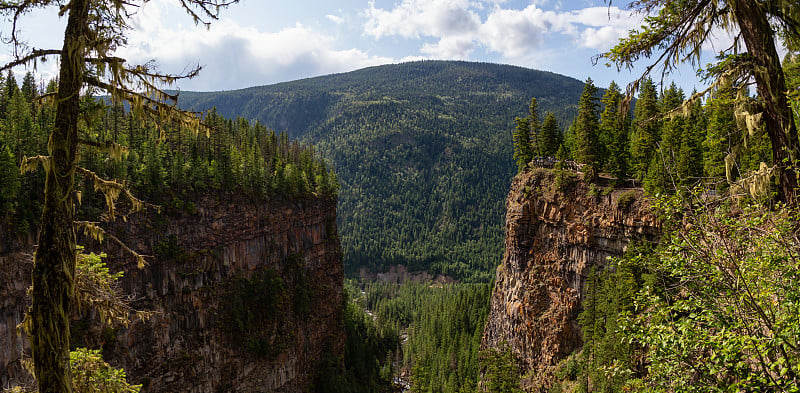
(535, 125)
(676, 31)
(672, 128)
(646, 129)
(501, 371)
(523, 148)
(549, 137)
(690, 157)
(11, 88)
(587, 128)
(614, 129)
(28, 87)
(9, 181)
(659, 177)
(662, 168)
(719, 134)
(7, 90)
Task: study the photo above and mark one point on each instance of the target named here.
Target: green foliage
(501, 371)
(9, 181)
(690, 157)
(675, 32)
(791, 68)
(719, 140)
(565, 181)
(587, 130)
(444, 325)
(674, 145)
(726, 315)
(626, 200)
(90, 374)
(608, 359)
(369, 343)
(423, 151)
(237, 155)
(550, 136)
(646, 129)
(712, 308)
(614, 133)
(523, 148)
(169, 249)
(97, 292)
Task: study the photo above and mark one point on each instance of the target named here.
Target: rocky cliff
(246, 297)
(557, 229)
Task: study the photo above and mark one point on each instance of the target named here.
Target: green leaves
(727, 319)
(90, 374)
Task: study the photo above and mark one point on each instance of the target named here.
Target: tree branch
(93, 230)
(35, 54)
(111, 189)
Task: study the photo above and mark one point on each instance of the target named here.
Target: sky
(262, 42)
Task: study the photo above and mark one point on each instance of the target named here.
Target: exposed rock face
(206, 284)
(555, 233)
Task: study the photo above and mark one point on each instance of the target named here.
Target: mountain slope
(423, 153)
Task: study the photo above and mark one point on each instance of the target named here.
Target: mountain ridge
(422, 150)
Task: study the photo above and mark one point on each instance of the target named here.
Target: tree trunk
(771, 87)
(54, 267)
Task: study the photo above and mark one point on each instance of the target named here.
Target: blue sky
(259, 42)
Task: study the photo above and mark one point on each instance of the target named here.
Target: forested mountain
(422, 151)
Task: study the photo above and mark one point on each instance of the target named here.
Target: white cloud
(415, 18)
(602, 38)
(457, 48)
(513, 33)
(335, 19)
(236, 56)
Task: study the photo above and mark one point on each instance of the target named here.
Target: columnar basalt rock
(196, 255)
(556, 231)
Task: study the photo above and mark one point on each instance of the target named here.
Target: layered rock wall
(200, 257)
(556, 231)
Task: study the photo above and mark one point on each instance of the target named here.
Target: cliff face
(247, 298)
(555, 233)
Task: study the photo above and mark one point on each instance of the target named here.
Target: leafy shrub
(626, 200)
(90, 374)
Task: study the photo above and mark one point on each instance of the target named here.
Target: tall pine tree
(526, 136)
(587, 129)
(549, 137)
(690, 157)
(614, 128)
(646, 129)
(719, 135)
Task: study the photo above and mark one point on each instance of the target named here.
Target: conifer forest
(432, 226)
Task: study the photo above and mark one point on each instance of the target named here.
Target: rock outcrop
(556, 231)
(246, 295)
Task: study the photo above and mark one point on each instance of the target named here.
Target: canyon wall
(557, 229)
(246, 296)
